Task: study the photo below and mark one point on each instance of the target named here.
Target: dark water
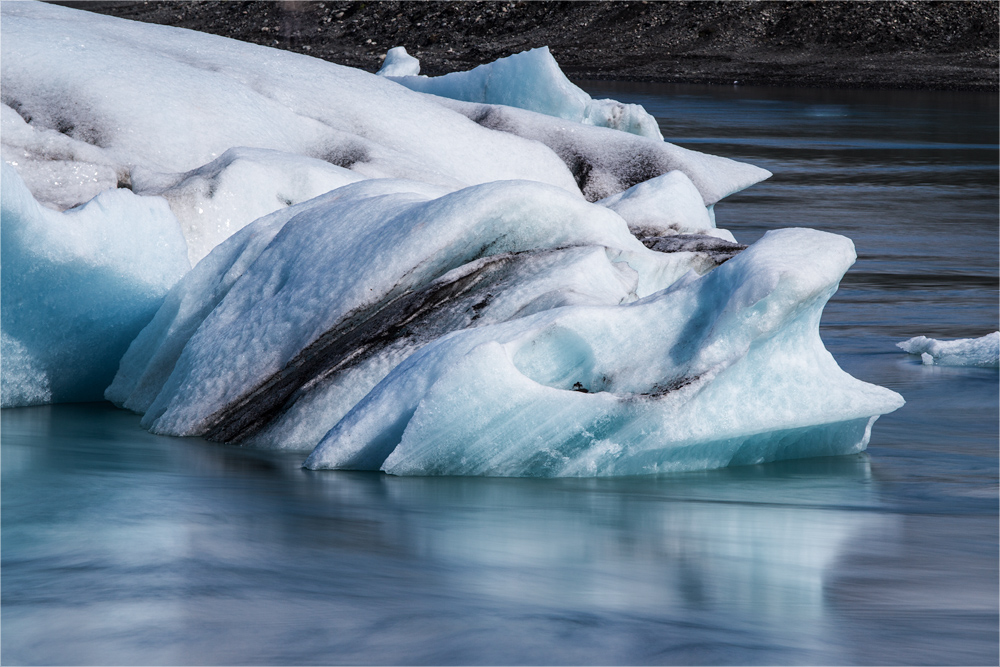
(123, 547)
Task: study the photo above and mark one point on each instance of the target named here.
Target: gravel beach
(951, 45)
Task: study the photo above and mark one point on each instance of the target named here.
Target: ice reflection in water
(136, 548)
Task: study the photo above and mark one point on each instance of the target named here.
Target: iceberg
(77, 287)
(983, 352)
(672, 382)
(529, 80)
(517, 281)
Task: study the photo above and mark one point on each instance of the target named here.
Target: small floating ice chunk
(983, 352)
(528, 80)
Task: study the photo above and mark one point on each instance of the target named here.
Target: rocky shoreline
(951, 45)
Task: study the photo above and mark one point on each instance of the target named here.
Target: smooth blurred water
(122, 547)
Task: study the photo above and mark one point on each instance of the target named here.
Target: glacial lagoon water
(123, 547)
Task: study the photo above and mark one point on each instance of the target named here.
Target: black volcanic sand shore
(950, 45)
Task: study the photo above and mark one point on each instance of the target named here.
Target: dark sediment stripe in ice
(457, 300)
(718, 250)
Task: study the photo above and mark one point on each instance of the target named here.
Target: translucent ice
(77, 287)
(723, 369)
(983, 352)
(529, 80)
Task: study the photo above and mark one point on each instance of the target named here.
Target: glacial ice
(665, 205)
(671, 382)
(983, 352)
(201, 95)
(76, 288)
(395, 279)
(528, 80)
(314, 299)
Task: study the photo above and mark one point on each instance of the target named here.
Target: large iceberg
(503, 283)
(983, 352)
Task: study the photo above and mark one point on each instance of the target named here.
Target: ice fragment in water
(428, 290)
(983, 352)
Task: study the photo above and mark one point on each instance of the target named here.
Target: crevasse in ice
(394, 279)
(983, 352)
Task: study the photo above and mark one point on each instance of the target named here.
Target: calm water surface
(122, 547)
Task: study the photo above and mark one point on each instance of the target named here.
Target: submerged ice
(483, 273)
